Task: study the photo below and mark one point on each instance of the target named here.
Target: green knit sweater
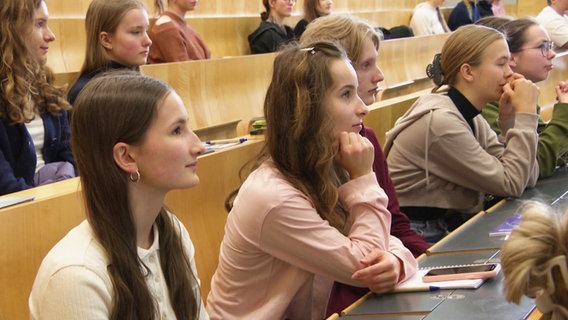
(552, 135)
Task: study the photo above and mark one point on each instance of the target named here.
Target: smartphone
(474, 271)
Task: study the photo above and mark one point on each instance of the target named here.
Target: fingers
(379, 278)
(355, 154)
(523, 95)
(381, 271)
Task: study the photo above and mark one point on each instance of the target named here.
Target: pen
(222, 141)
(416, 289)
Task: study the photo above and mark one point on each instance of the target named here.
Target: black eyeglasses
(545, 48)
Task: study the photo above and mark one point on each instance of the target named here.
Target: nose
(196, 146)
(147, 41)
(508, 71)
(379, 75)
(49, 36)
(551, 54)
(362, 109)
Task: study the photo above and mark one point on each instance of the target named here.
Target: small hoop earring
(135, 177)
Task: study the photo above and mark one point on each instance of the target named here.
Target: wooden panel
(386, 18)
(67, 52)
(28, 231)
(404, 61)
(529, 7)
(221, 90)
(62, 8)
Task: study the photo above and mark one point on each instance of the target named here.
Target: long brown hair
(21, 76)
(119, 107)
(311, 10)
(103, 15)
(298, 136)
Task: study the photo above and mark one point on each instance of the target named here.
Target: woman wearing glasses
(443, 157)
(272, 32)
(531, 56)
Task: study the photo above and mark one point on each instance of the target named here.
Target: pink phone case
(453, 275)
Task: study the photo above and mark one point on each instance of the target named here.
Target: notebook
(415, 283)
(505, 228)
(10, 201)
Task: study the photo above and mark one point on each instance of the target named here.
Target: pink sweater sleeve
(295, 233)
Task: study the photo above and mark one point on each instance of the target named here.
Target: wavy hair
(348, 31)
(119, 107)
(298, 135)
(541, 236)
(26, 86)
(103, 16)
(465, 45)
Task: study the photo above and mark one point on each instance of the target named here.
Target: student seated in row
(553, 17)
(361, 44)
(468, 12)
(116, 39)
(313, 9)
(324, 217)
(272, 32)
(173, 39)
(535, 263)
(532, 53)
(443, 157)
(34, 127)
(427, 18)
(131, 258)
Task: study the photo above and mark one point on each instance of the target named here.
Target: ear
(466, 72)
(121, 153)
(104, 39)
(514, 61)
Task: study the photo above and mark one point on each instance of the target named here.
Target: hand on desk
(381, 272)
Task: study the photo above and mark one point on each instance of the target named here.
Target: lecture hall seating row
(225, 36)
(78, 8)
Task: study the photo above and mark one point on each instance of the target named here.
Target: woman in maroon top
(172, 38)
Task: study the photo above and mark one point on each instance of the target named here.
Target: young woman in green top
(531, 55)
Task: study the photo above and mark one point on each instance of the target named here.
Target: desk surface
(474, 234)
(470, 243)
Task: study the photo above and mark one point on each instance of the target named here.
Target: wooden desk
(474, 234)
(469, 244)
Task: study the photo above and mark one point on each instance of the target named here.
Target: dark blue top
(86, 77)
(461, 16)
(17, 152)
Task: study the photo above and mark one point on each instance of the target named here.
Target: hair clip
(311, 50)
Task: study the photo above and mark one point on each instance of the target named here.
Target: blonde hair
(348, 31)
(541, 236)
(465, 45)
